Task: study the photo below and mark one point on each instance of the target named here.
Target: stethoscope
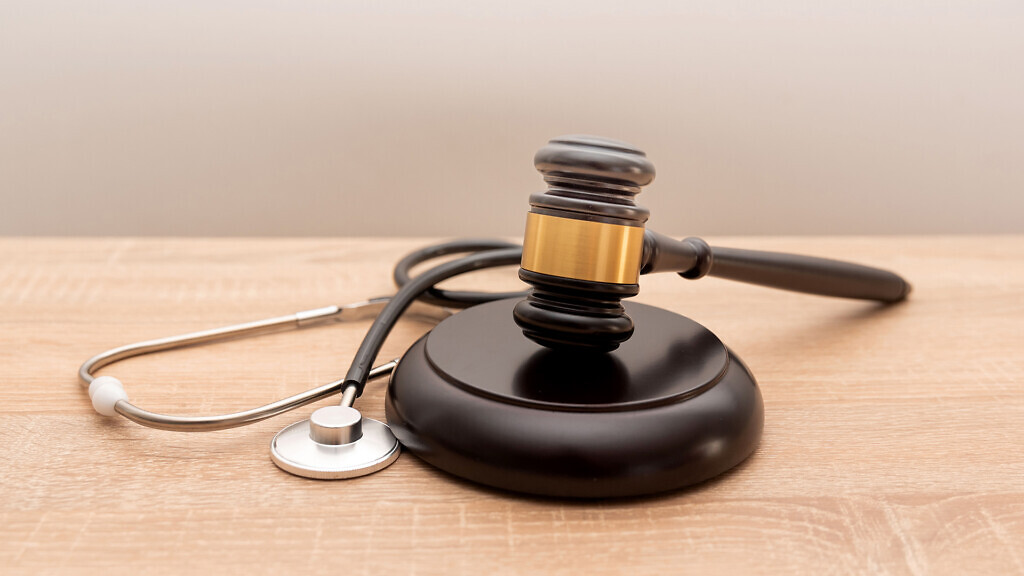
(336, 441)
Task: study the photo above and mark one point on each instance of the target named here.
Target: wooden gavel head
(584, 243)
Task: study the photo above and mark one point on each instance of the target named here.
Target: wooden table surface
(892, 442)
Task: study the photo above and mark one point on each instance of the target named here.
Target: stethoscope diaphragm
(336, 442)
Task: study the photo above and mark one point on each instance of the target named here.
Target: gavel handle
(693, 258)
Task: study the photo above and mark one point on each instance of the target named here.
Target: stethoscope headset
(562, 390)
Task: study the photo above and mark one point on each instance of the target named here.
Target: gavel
(586, 245)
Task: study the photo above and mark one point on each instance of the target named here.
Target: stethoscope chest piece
(336, 442)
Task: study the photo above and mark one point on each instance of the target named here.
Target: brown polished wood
(893, 439)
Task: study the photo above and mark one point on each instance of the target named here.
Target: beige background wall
(421, 118)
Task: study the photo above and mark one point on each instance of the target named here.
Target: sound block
(670, 407)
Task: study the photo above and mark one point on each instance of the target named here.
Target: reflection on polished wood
(893, 435)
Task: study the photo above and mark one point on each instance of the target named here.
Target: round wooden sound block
(670, 407)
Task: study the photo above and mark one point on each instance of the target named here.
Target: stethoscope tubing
(407, 294)
(455, 299)
(347, 313)
(415, 295)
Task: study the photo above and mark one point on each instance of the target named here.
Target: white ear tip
(105, 391)
(102, 381)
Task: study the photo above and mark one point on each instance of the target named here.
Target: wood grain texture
(893, 436)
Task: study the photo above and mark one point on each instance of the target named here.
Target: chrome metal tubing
(347, 313)
(225, 421)
(357, 311)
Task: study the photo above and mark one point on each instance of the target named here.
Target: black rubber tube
(787, 271)
(453, 298)
(409, 292)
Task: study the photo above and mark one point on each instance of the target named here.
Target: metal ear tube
(336, 441)
(109, 397)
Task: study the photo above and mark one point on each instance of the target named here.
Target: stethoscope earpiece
(105, 392)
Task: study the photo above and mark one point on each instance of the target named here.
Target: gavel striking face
(584, 243)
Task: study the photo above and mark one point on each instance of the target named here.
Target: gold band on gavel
(582, 249)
